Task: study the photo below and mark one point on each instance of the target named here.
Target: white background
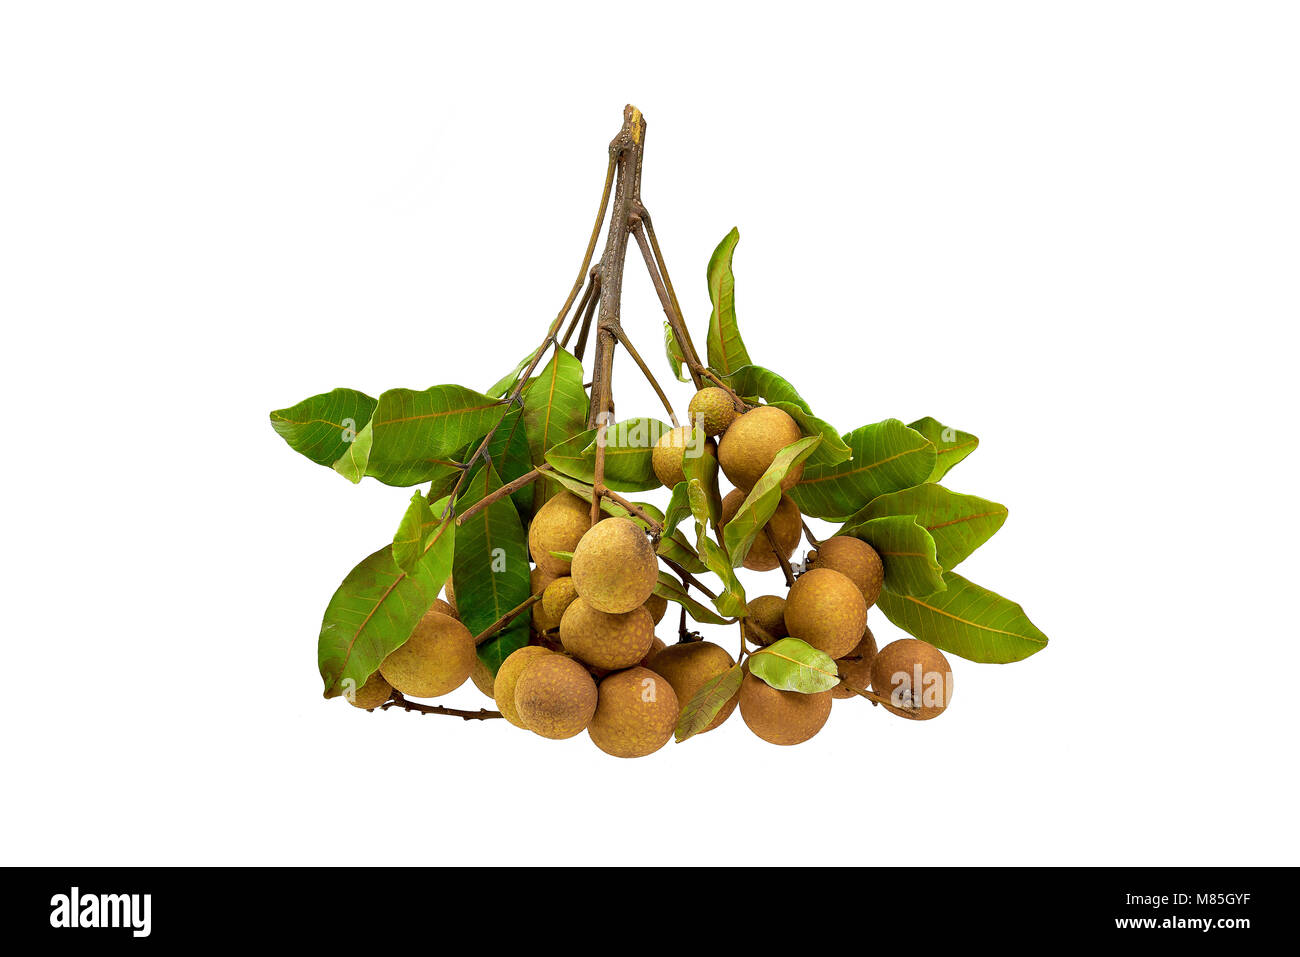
(1068, 228)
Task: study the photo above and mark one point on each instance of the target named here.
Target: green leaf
(726, 350)
(958, 523)
(703, 467)
(414, 434)
(907, 551)
(966, 620)
(887, 456)
(420, 531)
(373, 613)
(676, 357)
(670, 588)
(950, 445)
(352, 463)
(755, 382)
(794, 665)
(509, 454)
(627, 455)
(760, 504)
(502, 387)
(679, 507)
(677, 548)
(698, 713)
(586, 492)
(324, 426)
(555, 404)
(491, 572)
(832, 449)
(732, 600)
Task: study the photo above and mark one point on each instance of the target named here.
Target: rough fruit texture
(555, 599)
(558, 526)
(555, 696)
(538, 580)
(614, 566)
(636, 714)
(372, 694)
(451, 598)
(667, 455)
(687, 666)
(785, 525)
(855, 667)
(782, 717)
(605, 640)
(444, 608)
(481, 675)
(712, 410)
(826, 609)
(855, 559)
(503, 689)
(435, 660)
(768, 613)
(915, 676)
(656, 646)
(753, 441)
(657, 605)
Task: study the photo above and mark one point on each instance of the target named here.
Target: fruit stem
(505, 619)
(812, 539)
(508, 489)
(399, 701)
(780, 556)
(656, 530)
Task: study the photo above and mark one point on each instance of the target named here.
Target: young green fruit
(782, 717)
(669, 453)
(604, 640)
(558, 526)
(854, 558)
(615, 568)
(855, 667)
(915, 676)
(712, 410)
(764, 620)
(371, 694)
(753, 441)
(503, 688)
(687, 666)
(785, 526)
(555, 696)
(826, 609)
(636, 714)
(435, 660)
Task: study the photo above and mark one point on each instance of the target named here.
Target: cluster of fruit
(594, 662)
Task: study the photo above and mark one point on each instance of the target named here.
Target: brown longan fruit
(539, 579)
(558, 526)
(825, 609)
(503, 688)
(854, 558)
(615, 568)
(604, 640)
(712, 410)
(435, 660)
(785, 525)
(768, 613)
(657, 605)
(669, 453)
(374, 692)
(894, 675)
(636, 714)
(443, 608)
(688, 666)
(556, 597)
(753, 441)
(481, 675)
(782, 717)
(555, 697)
(855, 667)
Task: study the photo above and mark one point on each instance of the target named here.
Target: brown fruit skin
(372, 694)
(555, 697)
(688, 665)
(768, 612)
(752, 442)
(539, 579)
(558, 526)
(604, 640)
(899, 659)
(481, 675)
(555, 599)
(785, 525)
(435, 660)
(451, 599)
(854, 558)
(782, 717)
(636, 714)
(503, 689)
(444, 608)
(656, 646)
(657, 605)
(712, 410)
(667, 454)
(615, 568)
(825, 609)
(855, 667)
